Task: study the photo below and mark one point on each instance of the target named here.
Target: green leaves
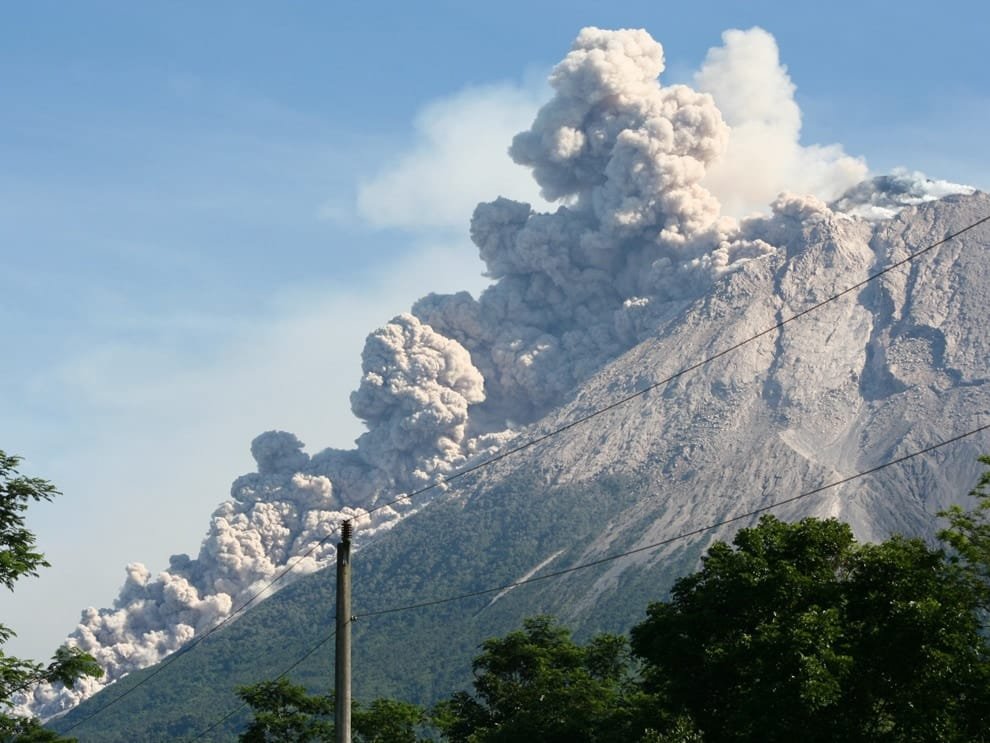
(798, 632)
(968, 536)
(284, 711)
(70, 664)
(388, 721)
(17, 555)
(538, 684)
(792, 632)
(18, 558)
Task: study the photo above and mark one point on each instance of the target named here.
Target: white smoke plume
(638, 230)
(885, 195)
(764, 155)
(458, 159)
(275, 514)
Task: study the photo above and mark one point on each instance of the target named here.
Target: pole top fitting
(345, 531)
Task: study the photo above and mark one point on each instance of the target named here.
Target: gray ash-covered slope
(888, 369)
(891, 368)
(897, 365)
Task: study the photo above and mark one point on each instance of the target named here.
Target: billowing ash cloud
(414, 397)
(636, 233)
(276, 513)
(629, 150)
(636, 228)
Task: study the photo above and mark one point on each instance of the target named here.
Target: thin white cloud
(459, 159)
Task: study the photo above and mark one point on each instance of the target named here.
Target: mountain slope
(890, 368)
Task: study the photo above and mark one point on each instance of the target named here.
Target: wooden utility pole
(342, 658)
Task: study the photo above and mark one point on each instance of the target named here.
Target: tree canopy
(538, 684)
(968, 536)
(797, 631)
(19, 558)
(286, 712)
(791, 632)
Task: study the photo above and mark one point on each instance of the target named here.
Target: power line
(203, 733)
(443, 480)
(197, 640)
(602, 560)
(707, 360)
(678, 537)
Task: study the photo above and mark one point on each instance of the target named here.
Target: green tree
(537, 684)
(920, 668)
(968, 535)
(19, 558)
(387, 721)
(796, 632)
(284, 711)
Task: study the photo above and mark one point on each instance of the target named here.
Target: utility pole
(342, 657)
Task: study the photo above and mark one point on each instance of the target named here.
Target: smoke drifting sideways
(637, 233)
(414, 396)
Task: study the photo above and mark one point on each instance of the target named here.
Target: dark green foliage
(799, 633)
(921, 665)
(459, 544)
(387, 721)
(19, 558)
(749, 639)
(283, 712)
(475, 544)
(793, 632)
(29, 730)
(968, 535)
(799, 620)
(537, 684)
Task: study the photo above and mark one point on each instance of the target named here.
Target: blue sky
(205, 207)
